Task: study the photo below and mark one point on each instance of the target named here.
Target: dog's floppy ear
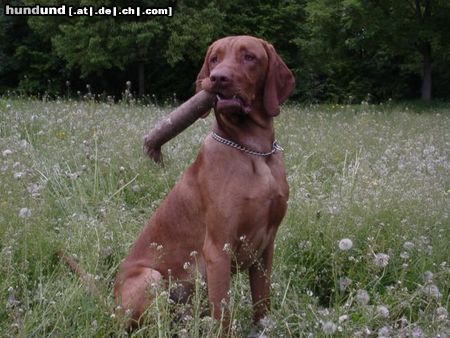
(279, 82)
(203, 75)
(204, 72)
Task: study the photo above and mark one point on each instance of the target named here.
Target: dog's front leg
(218, 276)
(259, 274)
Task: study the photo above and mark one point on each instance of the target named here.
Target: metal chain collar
(275, 146)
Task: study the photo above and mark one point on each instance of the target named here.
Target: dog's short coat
(228, 204)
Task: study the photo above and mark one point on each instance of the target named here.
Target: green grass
(378, 175)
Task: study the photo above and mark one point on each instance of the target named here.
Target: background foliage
(340, 50)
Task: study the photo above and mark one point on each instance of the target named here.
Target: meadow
(362, 252)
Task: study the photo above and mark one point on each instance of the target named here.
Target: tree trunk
(426, 72)
(423, 14)
(141, 75)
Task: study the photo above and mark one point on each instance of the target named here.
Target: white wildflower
(362, 297)
(34, 189)
(381, 260)
(345, 244)
(18, 175)
(404, 255)
(344, 282)
(12, 301)
(343, 318)
(427, 276)
(304, 245)
(7, 152)
(384, 332)
(383, 311)
(267, 323)
(72, 176)
(367, 331)
(441, 313)
(323, 312)
(403, 322)
(431, 290)
(183, 333)
(329, 327)
(25, 213)
(417, 333)
(408, 245)
(227, 247)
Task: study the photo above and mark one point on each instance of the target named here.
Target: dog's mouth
(232, 104)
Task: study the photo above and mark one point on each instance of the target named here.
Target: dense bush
(341, 51)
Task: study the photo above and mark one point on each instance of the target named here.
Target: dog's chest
(264, 203)
(261, 194)
(269, 186)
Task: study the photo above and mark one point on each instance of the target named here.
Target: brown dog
(229, 203)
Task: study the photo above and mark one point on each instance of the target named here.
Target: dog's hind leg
(133, 292)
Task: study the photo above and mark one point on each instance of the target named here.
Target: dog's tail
(86, 278)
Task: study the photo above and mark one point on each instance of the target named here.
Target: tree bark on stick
(177, 121)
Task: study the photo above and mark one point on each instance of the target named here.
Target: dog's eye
(214, 59)
(249, 57)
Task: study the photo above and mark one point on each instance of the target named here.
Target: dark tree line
(340, 50)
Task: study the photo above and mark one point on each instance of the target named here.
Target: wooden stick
(177, 121)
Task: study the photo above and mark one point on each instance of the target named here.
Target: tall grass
(363, 251)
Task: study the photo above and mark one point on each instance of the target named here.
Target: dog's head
(247, 74)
